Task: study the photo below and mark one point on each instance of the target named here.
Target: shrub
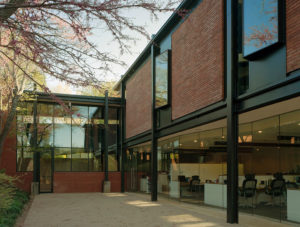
(12, 200)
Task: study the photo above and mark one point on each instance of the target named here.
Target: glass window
(79, 159)
(260, 25)
(80, 126)
(112, 161)
(24, 159)
(161, 86)
(95, 162)
(62, 127)
(62, 159)
(45, 125)
(266, 130)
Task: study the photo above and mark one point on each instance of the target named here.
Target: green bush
(12, 200)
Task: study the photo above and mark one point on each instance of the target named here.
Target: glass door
(46, 171)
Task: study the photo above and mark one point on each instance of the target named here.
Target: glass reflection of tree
(260, 26)
(161, 80)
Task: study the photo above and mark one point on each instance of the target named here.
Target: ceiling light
(195, 141)
(259, 132)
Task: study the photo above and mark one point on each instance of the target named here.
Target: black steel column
(35, 153)
(154, 126)
(106, 136)
(232, 116)
(122, 137)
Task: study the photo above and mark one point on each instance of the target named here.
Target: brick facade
(293, 34)
(198, 59)
(138, 101)
(8, 162)
(84, 182)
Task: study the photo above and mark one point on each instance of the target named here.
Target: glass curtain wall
(113, 149)
(138, 168)
(269, 149)
(25, 137)
(74, 133)
(192, 166)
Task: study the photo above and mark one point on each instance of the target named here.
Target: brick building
(209, 114)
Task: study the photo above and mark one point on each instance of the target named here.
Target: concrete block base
(106, 186)
(35, 188)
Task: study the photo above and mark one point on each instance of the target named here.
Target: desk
(215, 194)
(293, 205)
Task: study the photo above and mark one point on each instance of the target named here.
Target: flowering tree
(52, 35)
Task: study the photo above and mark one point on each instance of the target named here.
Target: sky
(106, 43)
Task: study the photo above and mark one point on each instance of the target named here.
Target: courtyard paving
(128, 209)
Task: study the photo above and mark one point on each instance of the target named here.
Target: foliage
(12, 200)
(8, 216)
(7, 190)
(53, 35)
(91, 91)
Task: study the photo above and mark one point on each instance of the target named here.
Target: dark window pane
(24, 159)
(161, 92)
(260, 25)
(62, 159)
(96, 129)
(79, 160)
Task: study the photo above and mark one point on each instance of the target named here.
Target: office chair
(194, 185)
(249, 189)
(195, 177)
(277, 187)
(181, 178)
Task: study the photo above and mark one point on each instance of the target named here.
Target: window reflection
(76, 134)
(79, 159)
(260, 25)
(24, 159)
(62, 159)
(161, 86)
(62, 127)
(80, 126)
(45, 125)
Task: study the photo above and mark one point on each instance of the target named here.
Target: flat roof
(42, 96)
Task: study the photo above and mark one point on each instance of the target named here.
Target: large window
(270, 153)
(260, 25)
(74, 135)
(162, 76)
(192, 166)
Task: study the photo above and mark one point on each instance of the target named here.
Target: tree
(13, 82)
(52, 35)
(55, 34)
(107, 85)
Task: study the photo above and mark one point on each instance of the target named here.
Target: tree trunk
(9, 9)
(8, 122)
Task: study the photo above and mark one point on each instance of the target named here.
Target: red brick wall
(84, 182)
(198, 59)
(138, 101)
(293, 34)
(8, 162)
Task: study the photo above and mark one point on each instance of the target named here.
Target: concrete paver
(128, 209)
